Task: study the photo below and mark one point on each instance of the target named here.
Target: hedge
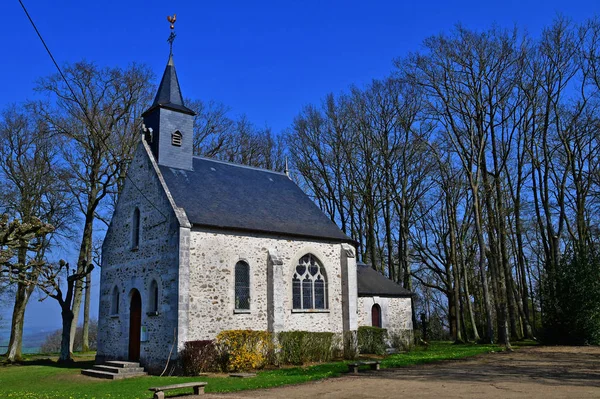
(300, 347)
(372, 340)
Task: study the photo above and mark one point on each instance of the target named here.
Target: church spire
(170, 122)
(169, 93)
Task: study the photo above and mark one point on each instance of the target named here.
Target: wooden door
(135, 326)
(376, 316)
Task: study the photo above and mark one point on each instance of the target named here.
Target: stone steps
(115, 370)
(118, 370)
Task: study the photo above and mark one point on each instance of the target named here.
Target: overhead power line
(92, 126)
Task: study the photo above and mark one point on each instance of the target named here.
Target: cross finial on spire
(172, 36)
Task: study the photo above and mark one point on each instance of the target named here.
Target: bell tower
(169, 123)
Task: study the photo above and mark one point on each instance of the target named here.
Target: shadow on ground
(49, 362)
(542, 365)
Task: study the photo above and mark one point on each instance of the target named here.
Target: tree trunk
(65, 344)
(15, 343)
(521, 264)
(482, 257)
(476, 336)
(85, 341)
(83, 261)
(457, 334)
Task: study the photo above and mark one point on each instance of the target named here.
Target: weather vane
(172, 36)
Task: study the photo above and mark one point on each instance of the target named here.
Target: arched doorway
(135, 325)
(376, 316)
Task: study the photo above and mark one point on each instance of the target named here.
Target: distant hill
(33, 338)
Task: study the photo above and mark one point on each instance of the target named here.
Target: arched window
(153, 302)
(309, 284)
(114, 306)
(242, 286)
(176, 138)
(376, 316)
(135, 229)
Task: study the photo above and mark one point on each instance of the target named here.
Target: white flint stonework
(194, 265)
(194, 270)
(396, 313)
(156, 258)
(213, 256)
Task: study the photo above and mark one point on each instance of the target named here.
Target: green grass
(43, 379)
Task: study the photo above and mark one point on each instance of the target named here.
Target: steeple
(170, 122)
(169, 93)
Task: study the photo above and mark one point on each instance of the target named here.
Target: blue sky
(265, 59)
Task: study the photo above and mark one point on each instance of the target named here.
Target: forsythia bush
(244, 349)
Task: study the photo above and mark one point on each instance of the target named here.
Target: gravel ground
(534, 372)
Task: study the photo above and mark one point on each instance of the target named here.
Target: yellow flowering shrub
(245, 349)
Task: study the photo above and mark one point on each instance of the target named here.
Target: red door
(376, 316)
(135, 325)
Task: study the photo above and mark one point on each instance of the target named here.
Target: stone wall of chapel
(213, 255)
(396, 313)
(157, 258)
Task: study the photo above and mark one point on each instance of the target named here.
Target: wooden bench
(353, 367)
(159, 391)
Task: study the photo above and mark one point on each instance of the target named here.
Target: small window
(176, 138)
(114, 309)
(153, 297)
(309, 284)
(242, 286)
(376, 316)
(135, 229)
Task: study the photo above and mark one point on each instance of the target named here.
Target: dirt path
(540, 372)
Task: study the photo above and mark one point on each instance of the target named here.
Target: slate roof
(169, 93)
(236, 197)
(373, 283)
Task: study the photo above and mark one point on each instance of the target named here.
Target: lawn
(41, 379)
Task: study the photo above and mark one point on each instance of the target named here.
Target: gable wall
(213, 255)
(156, 258)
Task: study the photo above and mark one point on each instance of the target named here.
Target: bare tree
(33, 189)
(98, 121)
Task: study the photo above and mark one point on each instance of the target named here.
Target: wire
(83, 108)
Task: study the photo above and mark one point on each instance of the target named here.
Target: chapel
(197, 246)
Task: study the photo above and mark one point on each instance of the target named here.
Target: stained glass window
(309, 284)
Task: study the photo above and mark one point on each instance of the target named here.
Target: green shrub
(300, 347)
(571, 311)
(199, 356)
(372, 340)
(402, 340)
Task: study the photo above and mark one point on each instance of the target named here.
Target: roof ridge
(239, 165)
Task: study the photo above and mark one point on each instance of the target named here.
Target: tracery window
(309, 284)
(242, 286)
